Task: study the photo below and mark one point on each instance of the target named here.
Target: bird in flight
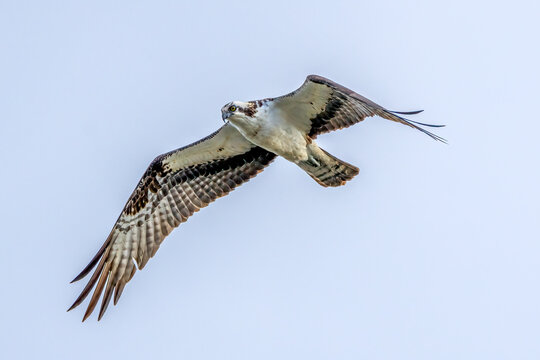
(181, 182)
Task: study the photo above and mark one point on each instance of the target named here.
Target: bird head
(237, 111)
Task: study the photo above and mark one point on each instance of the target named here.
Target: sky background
(431, 252)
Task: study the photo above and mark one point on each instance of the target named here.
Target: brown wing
(321, 105)
(174, 186)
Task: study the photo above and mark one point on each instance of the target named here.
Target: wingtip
(434, 136)
(415, 124)
(74, 305)
(407, 112)
(100, 315)
(443, 140)
(83, 273)
(87, 315)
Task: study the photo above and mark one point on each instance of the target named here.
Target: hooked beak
(225, 115)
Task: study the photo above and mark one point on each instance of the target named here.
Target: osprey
(181, 182)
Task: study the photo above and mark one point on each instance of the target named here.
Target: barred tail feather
(326, 169)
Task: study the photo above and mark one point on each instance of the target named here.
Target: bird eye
(232, 108)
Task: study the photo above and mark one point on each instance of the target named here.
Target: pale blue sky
(432, 252)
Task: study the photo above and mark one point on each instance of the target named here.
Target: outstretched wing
(174, 186)
(321, 105)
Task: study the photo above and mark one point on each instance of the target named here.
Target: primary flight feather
(179, 183)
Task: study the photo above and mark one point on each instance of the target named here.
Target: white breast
(278, 135)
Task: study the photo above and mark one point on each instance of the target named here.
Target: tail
(326, 169)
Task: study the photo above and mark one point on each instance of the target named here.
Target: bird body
(267, 128)
(181, 182)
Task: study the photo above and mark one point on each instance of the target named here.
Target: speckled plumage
(179, 183)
